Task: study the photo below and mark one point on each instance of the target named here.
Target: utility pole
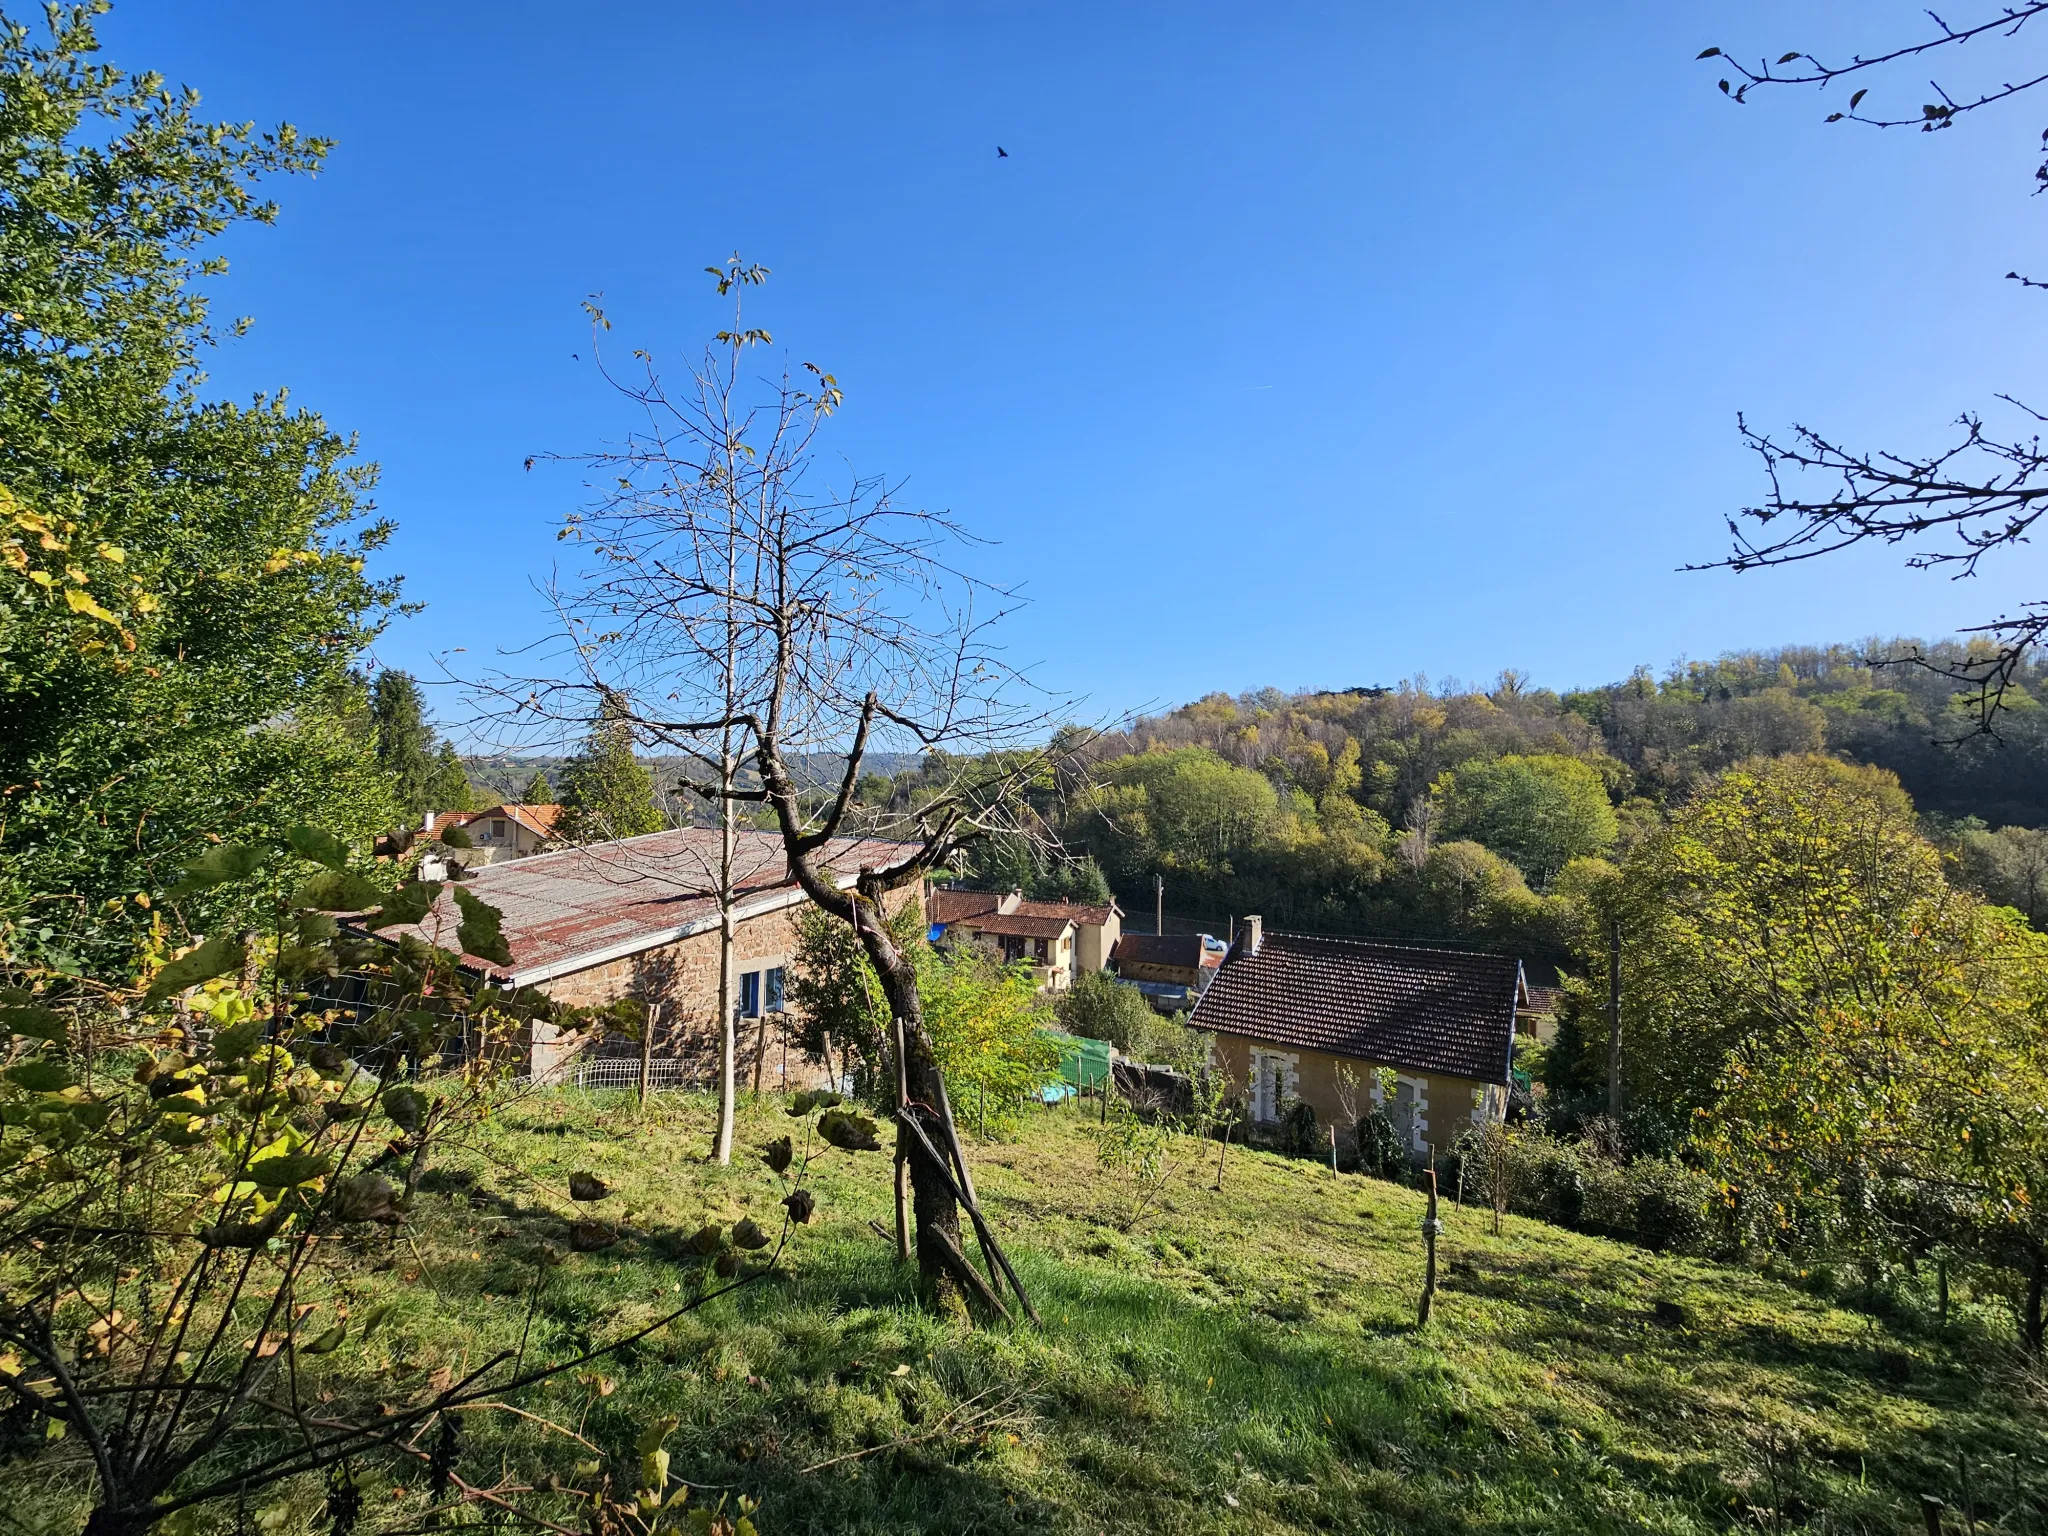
(1614, 1017)
(1159, 904)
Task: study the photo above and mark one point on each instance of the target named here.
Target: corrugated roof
(562, 912)
(1428, 1010)
(1181, 949)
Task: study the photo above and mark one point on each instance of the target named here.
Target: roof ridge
(1393, 944)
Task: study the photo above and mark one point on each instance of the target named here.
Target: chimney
(1249, 937)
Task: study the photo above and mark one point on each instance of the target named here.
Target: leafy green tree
(1857, 1045)
(538, 790)
(1100, 1007)
(840, 1015)
(1539, 812)
(606, 792)
(404, 740)
(448, 786)
(987, 1025)
(182, 586)
(2010, 866)
(1185, 809)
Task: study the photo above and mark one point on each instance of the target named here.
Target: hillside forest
(1452, 812)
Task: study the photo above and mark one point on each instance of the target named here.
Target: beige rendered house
(1058, 939)
(639, 918)
(1289, 1010)
(508, 831)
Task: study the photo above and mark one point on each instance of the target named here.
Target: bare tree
(1951, 506)
(774, 630)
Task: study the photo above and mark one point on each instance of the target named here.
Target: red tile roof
(1022, 925)
(563, 912)
(1081, 913)
(950, 906)
(1396, 1005)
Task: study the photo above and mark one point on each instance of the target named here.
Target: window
(761, 992)
(1402, 1112)
(1269, 1085)
(497, 831)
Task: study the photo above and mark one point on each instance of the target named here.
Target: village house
(508, 831)
(1290, 1011)
(639, 918)
(1058, 939)
(1170, 969)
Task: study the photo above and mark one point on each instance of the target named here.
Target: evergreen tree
(404, 743)
(606, 793)
(538, 790)
(448, 788)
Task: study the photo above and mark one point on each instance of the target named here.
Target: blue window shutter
(750, 995)
(774, 987)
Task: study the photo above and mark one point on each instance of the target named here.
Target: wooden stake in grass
(647, 1051)
(1333, 1151)
(1224, 1150)
(1431, 1227)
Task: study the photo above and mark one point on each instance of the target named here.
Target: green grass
(1244, 1361)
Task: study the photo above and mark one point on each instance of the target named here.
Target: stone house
(1058, 939)
(1289, 1011)
(639, 918)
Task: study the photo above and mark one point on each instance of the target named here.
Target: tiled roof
(1181, 949)
(562, 912)
(1083, 913)
(1021, 925)
(1544, 1000)
(956, 906)
(1428, 1010)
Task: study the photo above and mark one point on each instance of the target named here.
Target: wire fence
(663, 1073)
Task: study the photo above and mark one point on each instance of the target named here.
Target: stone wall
(682, 979)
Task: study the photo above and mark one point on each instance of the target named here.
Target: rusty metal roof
(567, 911)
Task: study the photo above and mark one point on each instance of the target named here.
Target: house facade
(508, 831)
(1058, 939)
(1294, 1015)
(639, 918)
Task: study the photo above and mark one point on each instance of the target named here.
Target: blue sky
(1311, 345)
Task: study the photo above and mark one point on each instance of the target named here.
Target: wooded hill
(1446, 812)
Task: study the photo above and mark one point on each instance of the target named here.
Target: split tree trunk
(922, 1090)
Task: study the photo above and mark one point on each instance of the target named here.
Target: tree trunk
(728, 1033)
(924, 1093)
(2031, 1320)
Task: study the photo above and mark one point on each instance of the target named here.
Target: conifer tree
(404, 742)
(538, 790)
(449, 788)
(606, 793)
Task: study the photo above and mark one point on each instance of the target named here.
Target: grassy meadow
(1240, 1360)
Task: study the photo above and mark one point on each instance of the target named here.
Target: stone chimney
(1250, 935)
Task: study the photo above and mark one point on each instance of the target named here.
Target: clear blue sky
(1309, 345)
